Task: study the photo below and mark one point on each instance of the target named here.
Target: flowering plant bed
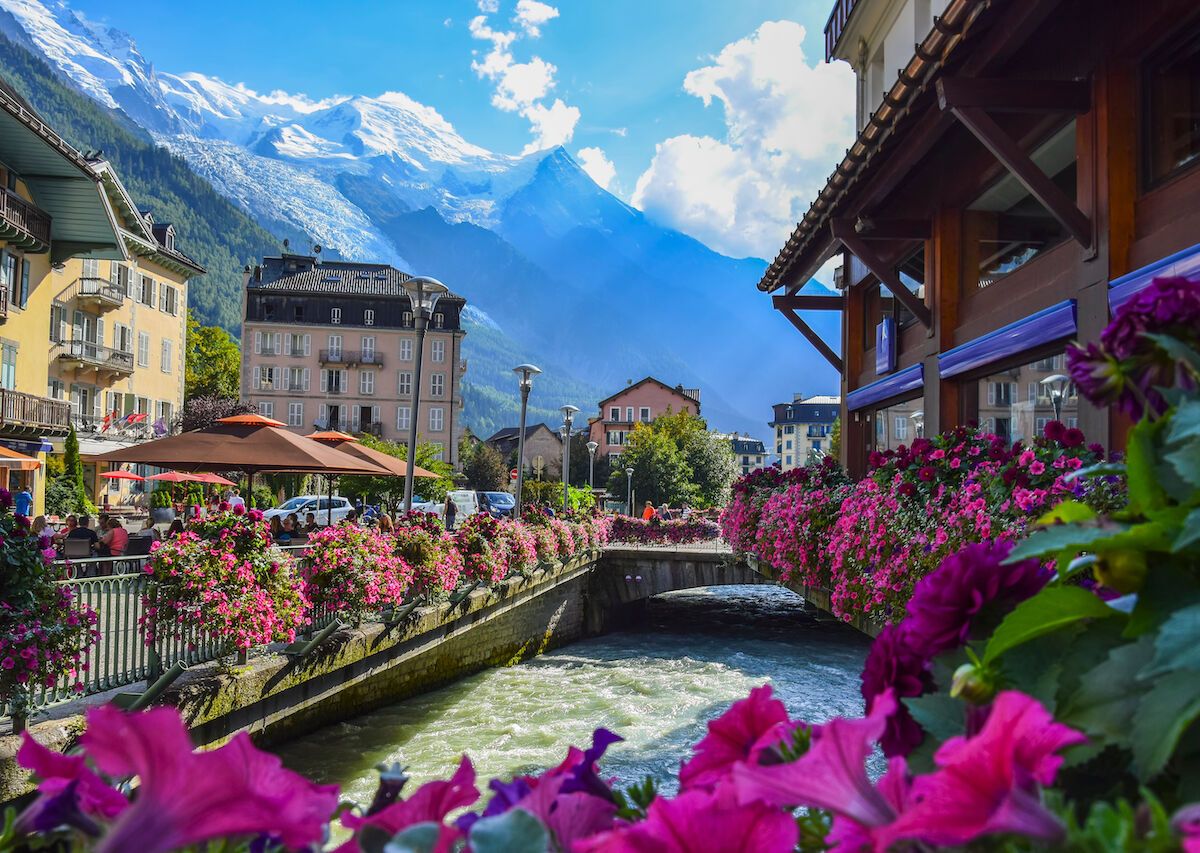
(224, 579)
(655, 532)
(354, 571)
(432, 555)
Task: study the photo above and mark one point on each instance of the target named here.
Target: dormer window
(169, 238)
(406, 319)
(439, 320)
(335, 316)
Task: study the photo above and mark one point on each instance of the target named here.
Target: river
(655, 685)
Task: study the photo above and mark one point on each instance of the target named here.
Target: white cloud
(523, 87)
(532, 14)
(787, 124)
(596, 163)
(489, 7)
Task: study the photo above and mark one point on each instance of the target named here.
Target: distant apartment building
(803, 428)
(118, 332)
(543, 449)
(750, 453)
(640, 402)
(331, 344)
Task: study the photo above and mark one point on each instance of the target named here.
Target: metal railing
(18, 409)
(374, 428)
(101, 291)
(350, 356)
(20, 214)
(96, 355)
(835, 25)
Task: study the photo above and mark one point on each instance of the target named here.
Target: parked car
(465, 500)
(319, 505)
(421, 505)
(498, 504)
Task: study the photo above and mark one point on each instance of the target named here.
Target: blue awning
(1184, 263)
(901, 382)
(1046, 326)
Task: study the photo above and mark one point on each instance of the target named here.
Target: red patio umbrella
(214, 479)
(122, 475)
(175, 477)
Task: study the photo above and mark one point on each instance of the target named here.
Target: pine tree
(73, 473)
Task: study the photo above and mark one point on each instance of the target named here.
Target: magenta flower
(1186, 822)
(431, 803)
(968, 587)
(59, 773)
(740, 734)
(893, 665)
(185, 797)
(849, 836)
(700, 821)
(570, 817)
(831, 775)
(989, 783)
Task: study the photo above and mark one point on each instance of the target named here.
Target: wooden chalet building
(1016, 177)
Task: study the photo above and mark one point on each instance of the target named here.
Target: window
(403, 414)
(143, 350)
(333, 381)
(1015, 416)
(644, 414)
(439, 450)
(437, 351)
(368, 317)
(439, 320)
(122, 337)
(122, 278)
(437, 419)
(629, 414)
(1012, 226)
(335, 347)
(55, 389)
(9, 273)
(168, 300)
(146, 291)
(335, 316)
(266, 408)
(1000, 393)
(888, 429)
(368, 348)
(404, 386)
(788, 444)
(817, 446)
(295, 414)
(437, 384)
(8, 365)
(297, 313)
(295, 379)
(91, 268)
(406, 319)
(166, 356)
(366, 382)
(297, 344)
(1172, 109)
(264, 377)
(789, 429)
(787, 460)
(614, 413)
(163, 412)
(900, 429)
(406, 349)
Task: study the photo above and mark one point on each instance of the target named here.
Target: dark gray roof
(748, 445)
(303, 274)
(510, 433)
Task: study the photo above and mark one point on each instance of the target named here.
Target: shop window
(1172, 109)
(1010, 225)
(898, 424)
(1017, 403)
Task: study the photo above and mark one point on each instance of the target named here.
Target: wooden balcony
(836, 25)
(102, 359)
(29, 414)
(22, 224)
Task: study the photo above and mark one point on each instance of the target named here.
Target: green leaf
(939, 714)
(1108, 696)
(1177, 350)
(1190, 534)
(1100, 469)
(1163, 715)
(418, 838)
(1185, 423)
(1068, 511)
(1168, 589)
(1177, 644)
(1145, 492)
(1186, 462)
(1053, 608)
(1072, 538)
(515, 831)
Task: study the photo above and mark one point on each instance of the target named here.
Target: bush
(430, 552)
(655, 532)
(354, 571)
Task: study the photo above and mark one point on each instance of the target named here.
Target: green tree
(714, 466)
(213, 364)
(390, 490)
(835, 440)
(73, 474)
(484, 468)
(579, 463)
(660, 472)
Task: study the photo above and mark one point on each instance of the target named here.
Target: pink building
(640, 402)
(330, 345)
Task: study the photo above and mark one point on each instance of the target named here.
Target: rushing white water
(656, 686)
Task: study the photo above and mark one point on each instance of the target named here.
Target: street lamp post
(629, 491)
(918, 419)
(526, 372)
(1056, 384)
(423, 294)
(569, 413)
(591, 446)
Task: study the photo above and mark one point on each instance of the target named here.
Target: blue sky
(622, 64)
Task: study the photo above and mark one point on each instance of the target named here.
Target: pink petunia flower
(740, 734)
(700, 821)
(93, 796)
(186, 797)
(989, 783)
(431, 802)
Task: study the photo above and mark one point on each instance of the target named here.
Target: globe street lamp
(568, 412)
(1056, 386)
(526, 372)
(629, 491)
(591, 446)
(918, 419)
(423, 295)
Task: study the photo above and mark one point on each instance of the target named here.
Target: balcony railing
(22, 223)
(88, 354)
(22, 411)
(350, 356)
(374, 428)
(836, 25)
(3, 304)
(98, 291)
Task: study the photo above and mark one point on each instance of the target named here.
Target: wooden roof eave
(152, 252)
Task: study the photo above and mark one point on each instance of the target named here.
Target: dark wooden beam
(813, 338)
(1005, 149)
(870, 228)
(1015, 96)
(844, 231)
(803, 302)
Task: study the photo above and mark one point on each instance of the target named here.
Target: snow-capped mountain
(550, 257)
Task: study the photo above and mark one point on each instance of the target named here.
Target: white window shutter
(276, 345)
(374, 414)
(287, 345)
(307, 344)
(258, 342)
(323, 416)
(286, 380)
(304, 381)
(342, 380)
(324, 382)
(991, 393)
(258, 377)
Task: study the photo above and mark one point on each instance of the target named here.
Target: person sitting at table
(84, 531)
(72, 523)
(38, 527)
(175, 529)
(148, 531)
(278, 533)
(292, 524)
(310, 523)
(115, 541)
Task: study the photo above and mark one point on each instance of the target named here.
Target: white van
(466, 501)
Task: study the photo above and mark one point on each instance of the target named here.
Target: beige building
(803, 429)
(331, 345)
(118, 332)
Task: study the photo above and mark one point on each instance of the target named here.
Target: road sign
(512, 475)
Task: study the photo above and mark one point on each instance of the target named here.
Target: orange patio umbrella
(350, 445)
(18, 461)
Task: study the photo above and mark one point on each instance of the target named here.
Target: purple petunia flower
(946, 603)
(893, 664)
